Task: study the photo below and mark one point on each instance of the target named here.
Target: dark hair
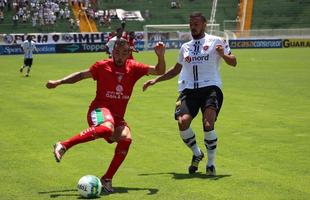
(198, 14)
(121, 42)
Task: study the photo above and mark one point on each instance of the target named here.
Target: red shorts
(98, 116)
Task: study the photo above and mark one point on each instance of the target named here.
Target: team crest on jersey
(119, 88)
(205, 47)
(120, 77)
(187, 59)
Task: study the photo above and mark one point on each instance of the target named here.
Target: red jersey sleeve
(94, 69)
(140, 69)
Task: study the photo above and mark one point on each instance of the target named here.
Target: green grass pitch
(263, 130)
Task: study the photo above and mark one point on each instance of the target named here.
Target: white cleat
(59, 151)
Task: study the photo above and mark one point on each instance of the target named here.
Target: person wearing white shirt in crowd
(110, 44)
(199, 87)
(28, 47)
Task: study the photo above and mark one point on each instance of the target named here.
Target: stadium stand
(156, 12)
(266, 14)
(37, 16)
(281, 14)
(162, 12)
(85, 23)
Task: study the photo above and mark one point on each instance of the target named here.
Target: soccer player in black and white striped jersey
(28, 47)
(199, 87)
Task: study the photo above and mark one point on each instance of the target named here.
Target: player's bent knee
(184, 122)
(104, 131)
(207, 126)
(109, 125)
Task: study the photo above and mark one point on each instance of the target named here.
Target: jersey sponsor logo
(187, 59)
(193, 59)
(117, 94)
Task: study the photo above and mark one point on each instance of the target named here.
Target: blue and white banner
(170, 44)
(255, 43)
(17, 49)
(77, 48)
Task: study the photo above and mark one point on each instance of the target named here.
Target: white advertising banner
(129, 15)
(55, 38)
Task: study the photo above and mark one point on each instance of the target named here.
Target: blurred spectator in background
(147, 14)
(2, 4)
(34, 21)
(15, 20)
(175, 4)
(110, 45)
(61, 13)
(107, 22)
(1, 16)
(131, 41)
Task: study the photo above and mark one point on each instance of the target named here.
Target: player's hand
(52, 84)
(148, 84)
(160, 49)
(220, 50)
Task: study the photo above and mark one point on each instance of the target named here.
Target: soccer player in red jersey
(115, 81)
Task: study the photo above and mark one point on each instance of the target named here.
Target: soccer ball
(89, 186)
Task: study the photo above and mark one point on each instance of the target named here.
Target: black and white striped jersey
(28, 48)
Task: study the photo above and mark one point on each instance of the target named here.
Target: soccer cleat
(59, 151)
(107, 185)
(195, 161)
(210, 170)
(27, 75)
(21, 70)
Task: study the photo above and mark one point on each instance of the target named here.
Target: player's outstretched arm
(229, 59)
(160, 67)
(70, 79)
(166, 76)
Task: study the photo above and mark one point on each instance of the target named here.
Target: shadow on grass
(61, 193)
(151, 191)
(68, 192)
(180, 176)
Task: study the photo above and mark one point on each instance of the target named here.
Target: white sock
(211, 142)
(189, 138)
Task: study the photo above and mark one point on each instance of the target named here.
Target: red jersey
(131, 43)
(115, 84)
